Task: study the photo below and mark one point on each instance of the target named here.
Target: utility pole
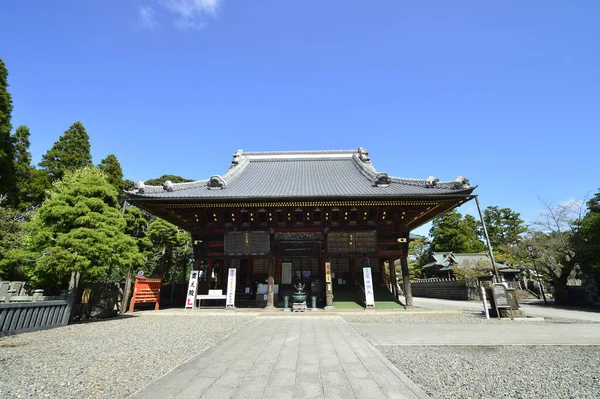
(487, 241)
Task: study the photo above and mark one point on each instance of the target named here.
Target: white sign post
(190, 302)
(231, 288)
(369, 298)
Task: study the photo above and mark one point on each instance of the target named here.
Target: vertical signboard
(369, 297)
(231, 288)
(328, 287)
(192, 289)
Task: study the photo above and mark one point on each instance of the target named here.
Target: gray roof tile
(303, 174)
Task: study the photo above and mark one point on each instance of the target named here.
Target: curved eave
(157, 197)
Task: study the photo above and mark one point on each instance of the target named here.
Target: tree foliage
(587, 239)
(452, 232)
(114, 174)
(11, 238)
(78, 228)
(24, 172)
(171, 249)
(7, 172)
(164, 178)
(504, 227)
(553, 238)
(71, 151)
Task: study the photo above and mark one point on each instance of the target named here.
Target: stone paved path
(287, 357)
(515, 333)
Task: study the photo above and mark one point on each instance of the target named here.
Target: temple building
(315, 217)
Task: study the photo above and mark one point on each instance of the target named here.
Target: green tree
(164, 178)
(38, 186)
(24, 172)
(587, 240)
(71, 151)
(7, 172)
(452, 232)
(504, 228)
(11, 238)
(418, 256)
(137, 222)
(553, 237)
(114, 174)
(79, 228)
(170, 248)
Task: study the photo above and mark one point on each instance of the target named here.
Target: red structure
(146, 290)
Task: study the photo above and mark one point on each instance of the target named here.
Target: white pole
(484, 299)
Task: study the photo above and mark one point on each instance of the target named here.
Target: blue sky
(506, 93)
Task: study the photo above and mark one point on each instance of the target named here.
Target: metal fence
(22, 317)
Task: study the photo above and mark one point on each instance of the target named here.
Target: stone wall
(441, 288)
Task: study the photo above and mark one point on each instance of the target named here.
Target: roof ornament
(236, 157)
(432, 181)
(461, 182)
(140, 186)
(363, 155)
(216, 183)
(168, 186)
(381, 180)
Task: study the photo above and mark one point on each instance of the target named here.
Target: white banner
(370, 299)
(192, 289)
(231, 288)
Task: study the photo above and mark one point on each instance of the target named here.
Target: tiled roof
(449, 259)
(303, 174)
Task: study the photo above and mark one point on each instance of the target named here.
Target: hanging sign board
(369, 297)
(286, 273)
(192, 289)
(231, 288)
(146, 290)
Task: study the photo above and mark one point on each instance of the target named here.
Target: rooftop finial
(140, 186)
(236, 157)
(363, 155)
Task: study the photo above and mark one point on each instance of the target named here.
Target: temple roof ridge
(304, 173)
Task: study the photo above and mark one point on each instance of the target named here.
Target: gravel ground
(111, 358)
(444, 318)
(501, 372)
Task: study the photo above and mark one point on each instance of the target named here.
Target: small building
(301, 216)
(443, 265)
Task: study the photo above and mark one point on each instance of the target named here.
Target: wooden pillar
(209, 273)
(405, 273)
(353, 270)
(271, 285)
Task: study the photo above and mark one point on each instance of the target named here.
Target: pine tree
(71, 151)
(114, 174)
(23, 170)
(453, 232)
(7, 172)
(79, 228)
